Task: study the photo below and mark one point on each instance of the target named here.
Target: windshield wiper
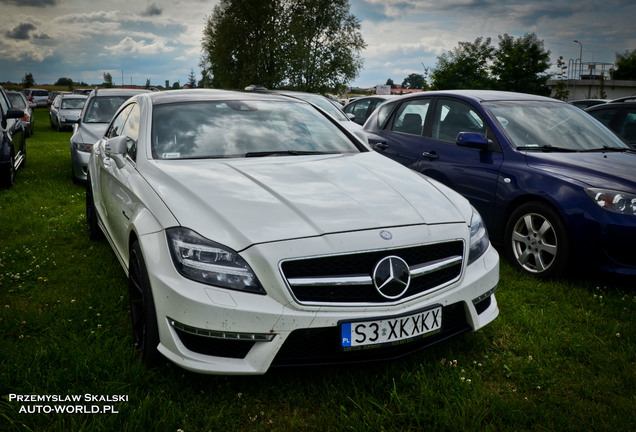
(607, 149)
(546, 148)
(286, 153)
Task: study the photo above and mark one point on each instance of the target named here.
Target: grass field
(560, 357)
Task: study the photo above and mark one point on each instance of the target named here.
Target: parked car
(53, 95)
(256, 232)
(12, 140)
(330, 108)
(93, 121)
(555, 187)
(586, 103)
(65, 111)
(19, 101)
(37, 96)
(620, 116)
(362, 108)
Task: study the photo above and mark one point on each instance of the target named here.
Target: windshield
(539, 125)
(101, 109)
(75, 103)
(215, 129)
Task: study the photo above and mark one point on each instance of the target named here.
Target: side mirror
(12, 113)
(472, 140)
(116, 148)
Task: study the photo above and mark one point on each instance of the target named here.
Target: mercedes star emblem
(391, 277)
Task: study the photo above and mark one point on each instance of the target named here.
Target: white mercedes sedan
(258, 232)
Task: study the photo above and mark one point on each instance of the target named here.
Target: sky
(160, 40)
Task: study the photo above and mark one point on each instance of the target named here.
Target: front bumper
(218, 331)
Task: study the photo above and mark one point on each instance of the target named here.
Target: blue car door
(473, 172)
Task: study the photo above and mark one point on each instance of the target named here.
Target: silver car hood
(241, 202)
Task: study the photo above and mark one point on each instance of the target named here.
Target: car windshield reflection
(547, 126)
(238, 129)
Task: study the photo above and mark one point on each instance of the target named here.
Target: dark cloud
(20, 32)
(152, 10)
(32, 3)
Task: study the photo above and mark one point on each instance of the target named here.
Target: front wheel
(142, 308)
(92, 227)
(8, 176)
(537, 241)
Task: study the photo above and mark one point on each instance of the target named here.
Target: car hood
(89, 133)
(248, 201)
(610, 170)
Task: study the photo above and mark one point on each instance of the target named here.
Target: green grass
(560, 357)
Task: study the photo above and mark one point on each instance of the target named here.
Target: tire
(142, 309)
(537, 241)
(8, 176)
(92, 227)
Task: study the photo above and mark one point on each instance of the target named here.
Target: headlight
(478, 237)
(204, 261)
(83, 147)
(614, 201)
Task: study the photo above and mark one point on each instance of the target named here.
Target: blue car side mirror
(472, 140)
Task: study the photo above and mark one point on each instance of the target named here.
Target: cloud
(152, 10)
(20, 32)
(128, 46)
(32, 3)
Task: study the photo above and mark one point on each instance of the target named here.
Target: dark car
(362, 108)
(12, 140)
(620, 116)
(586, 103)
(19, 100)
(555, 187)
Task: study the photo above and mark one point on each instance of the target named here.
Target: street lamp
(580, 57)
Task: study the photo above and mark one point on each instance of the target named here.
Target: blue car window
(410, 117)
(452, 117)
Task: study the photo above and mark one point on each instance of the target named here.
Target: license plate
(390, 331)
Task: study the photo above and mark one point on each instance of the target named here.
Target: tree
(304, 44)
(465, 67)
(389, 82)
(68, 82)
(625, 66)
(28, 80)
(414, 81)
(192, 79)
(147, 86)
(108, 80)
(520, 65)
(515, 65)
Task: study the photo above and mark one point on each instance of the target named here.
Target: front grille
(348, 278)
(321, 346)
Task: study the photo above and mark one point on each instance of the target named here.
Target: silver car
(98, 110)
(18, 100)
(65, 110)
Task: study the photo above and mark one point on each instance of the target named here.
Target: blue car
(555, 187)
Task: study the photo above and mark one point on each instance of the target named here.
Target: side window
(117, 124)
(452, 117)
(605, 116)
(627, 130)
(3, 104)
(360, 110)
(410, 117)
(383, 114)
(131, 131)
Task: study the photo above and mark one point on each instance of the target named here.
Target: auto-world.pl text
(67, 404)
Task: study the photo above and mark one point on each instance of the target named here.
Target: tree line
(316, 45)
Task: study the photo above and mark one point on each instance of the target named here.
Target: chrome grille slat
(347, 278)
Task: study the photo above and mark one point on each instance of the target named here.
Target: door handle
(430, 155)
